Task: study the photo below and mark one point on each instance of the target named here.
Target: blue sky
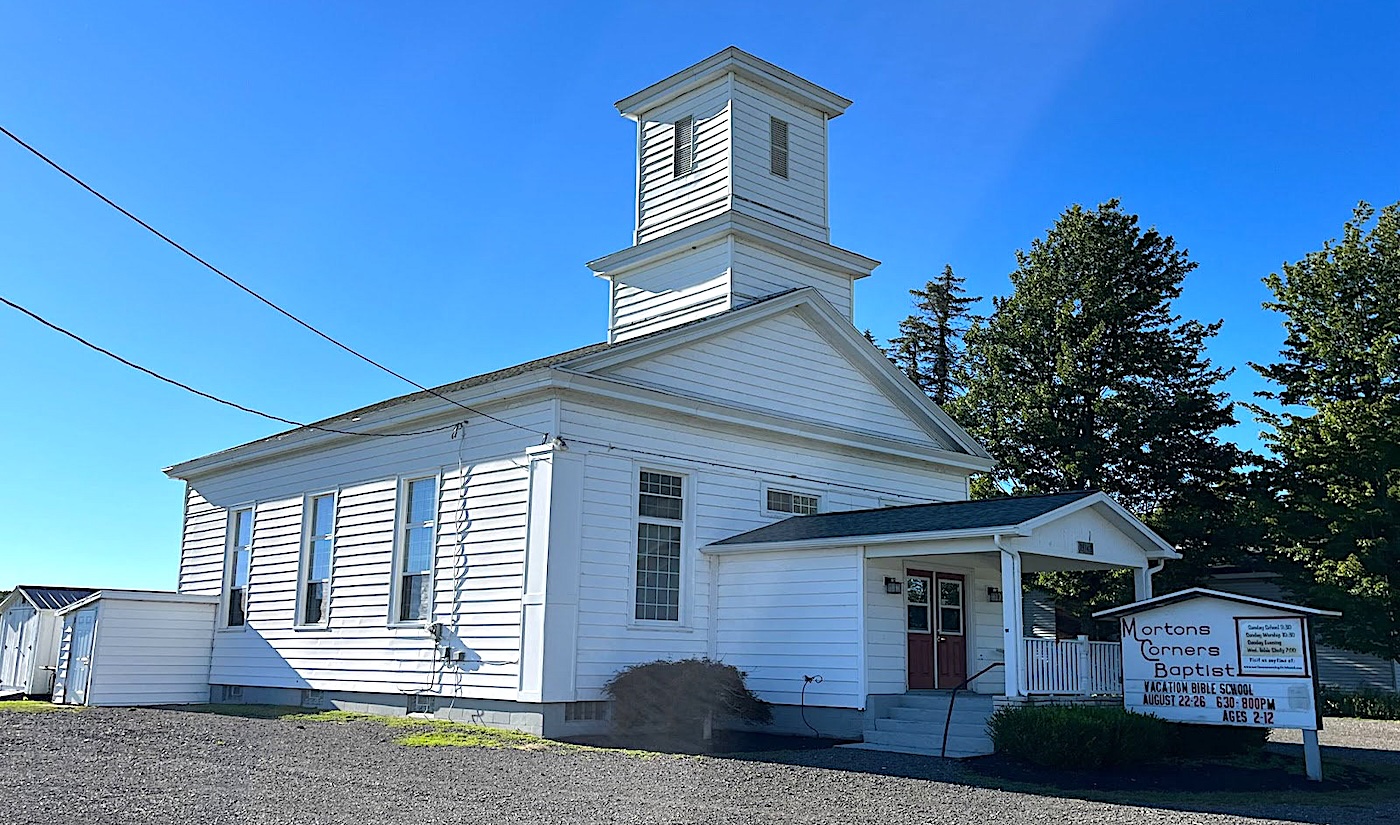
(426, 180)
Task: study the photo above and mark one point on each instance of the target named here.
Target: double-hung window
(660, 525)
(416, 550)
(236, 563)
(316, 564)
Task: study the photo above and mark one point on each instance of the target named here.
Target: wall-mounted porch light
(993, 594)
(893, 586)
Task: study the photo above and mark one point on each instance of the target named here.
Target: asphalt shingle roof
(53, 598)
(918, 518)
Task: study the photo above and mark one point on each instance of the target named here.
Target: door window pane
(918, 618)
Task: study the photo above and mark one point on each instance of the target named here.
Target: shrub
(1215, 740)
(1363, 703)
(1095, 736)
(1080, 736)
(677, 697)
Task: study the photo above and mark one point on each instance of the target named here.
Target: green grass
(33, 706)
(418, 732)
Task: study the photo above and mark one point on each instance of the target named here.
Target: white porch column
(1012, 621)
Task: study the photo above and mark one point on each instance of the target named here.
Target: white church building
(734, 473)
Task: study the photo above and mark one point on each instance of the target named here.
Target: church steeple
(731, 196)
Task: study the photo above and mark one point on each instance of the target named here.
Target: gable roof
(1006, 513)
(1202, 592)
(52, 598)
(574, 364)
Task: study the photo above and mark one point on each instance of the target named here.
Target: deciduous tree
(1335, 430)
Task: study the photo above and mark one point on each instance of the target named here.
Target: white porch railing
(1073, 667)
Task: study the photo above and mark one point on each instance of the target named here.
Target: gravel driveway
(141, 765)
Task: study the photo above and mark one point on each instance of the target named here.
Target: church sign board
(1212, 658)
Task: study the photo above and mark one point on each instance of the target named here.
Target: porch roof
(1013, 515)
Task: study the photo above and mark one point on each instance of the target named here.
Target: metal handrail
(953, 697)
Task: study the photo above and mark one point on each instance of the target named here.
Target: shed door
(80, 657)
(14, 647)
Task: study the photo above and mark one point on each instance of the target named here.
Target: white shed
(29, 632)
(135, 647)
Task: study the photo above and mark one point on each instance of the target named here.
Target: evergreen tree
(1086, 378)
(1335, 510)
(929, 347)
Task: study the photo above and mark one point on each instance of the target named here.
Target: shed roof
(914, 519)
(45, 597)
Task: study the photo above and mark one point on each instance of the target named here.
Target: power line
(250, 290)
(691, 460)
(187, 388)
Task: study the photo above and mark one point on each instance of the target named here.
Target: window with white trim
(236, 565)
(415, 566)
(316, 561)
(786, 501)
(684, 146)
(660, 527)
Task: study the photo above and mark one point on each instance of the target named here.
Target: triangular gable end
(792, 356)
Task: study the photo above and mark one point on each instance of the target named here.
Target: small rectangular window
(236, 566)
(312, 698)
(316, 566)
(416, 550)
(778, 139)
(660, 522)
(783, 501)
(685, 145)
(421, 704)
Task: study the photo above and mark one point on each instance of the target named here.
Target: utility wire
(187, 388)
(250, 290)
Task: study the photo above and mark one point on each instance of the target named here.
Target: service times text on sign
(1201, 662)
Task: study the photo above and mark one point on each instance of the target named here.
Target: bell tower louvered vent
(778, 147)
(684, 141)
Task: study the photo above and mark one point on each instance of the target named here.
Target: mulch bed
(1263, 772)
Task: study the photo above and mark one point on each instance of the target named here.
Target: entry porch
(937, 608)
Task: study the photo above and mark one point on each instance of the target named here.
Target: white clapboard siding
(781, 364)
(784, 616)
(673, 292)
(667, 202)
(202, 554)
(758, 271)
(725, 502)
(151, 653)
(885, 621)
(478, 569)
(797, 202)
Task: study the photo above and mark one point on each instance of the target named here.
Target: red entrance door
(918, 609)
(950, 623)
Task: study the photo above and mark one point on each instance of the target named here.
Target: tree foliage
(1085, 377)
(929, 346)
(1335, 510)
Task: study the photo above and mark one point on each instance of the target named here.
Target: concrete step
(958, 746)
(939, 701)
(960, 714)
(973, 728)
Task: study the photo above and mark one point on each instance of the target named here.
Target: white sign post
(1212, 658)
